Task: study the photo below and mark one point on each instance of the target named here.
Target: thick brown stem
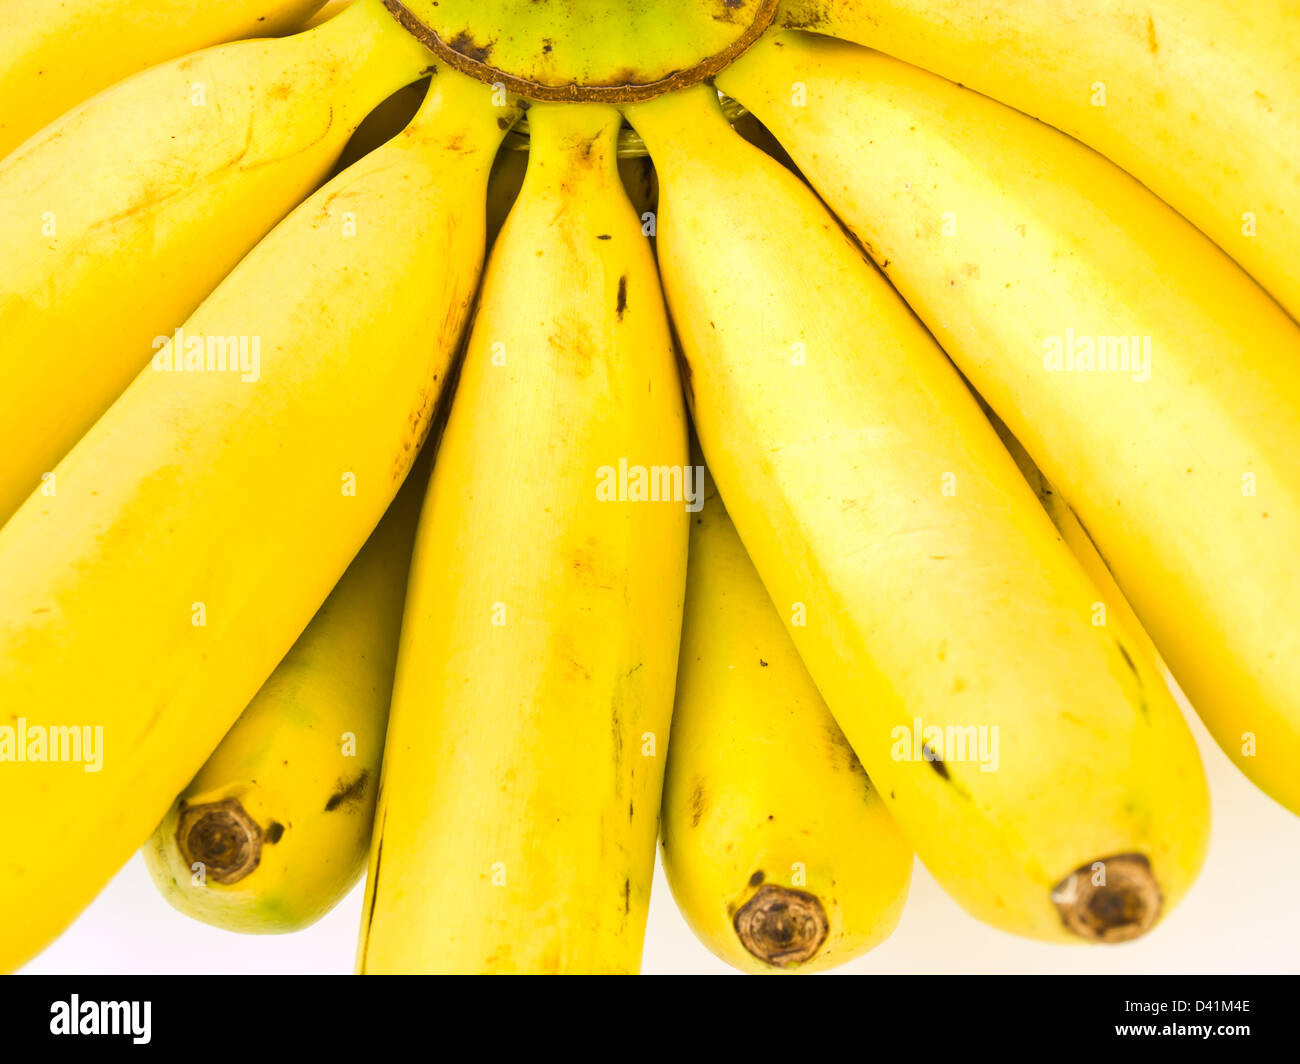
(782, 926)
(1112, 899)
(222, 837)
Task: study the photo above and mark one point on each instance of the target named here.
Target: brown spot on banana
(349, 794)
(935, 761)
(699, 803)
(464, 44)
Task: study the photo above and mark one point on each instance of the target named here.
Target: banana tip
(222, 837)
(1112, 899)
(782, 926)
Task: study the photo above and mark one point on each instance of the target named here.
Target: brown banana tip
(1112, 899)
(222, 837)
(781, 926)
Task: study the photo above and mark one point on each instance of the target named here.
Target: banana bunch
(373, 375)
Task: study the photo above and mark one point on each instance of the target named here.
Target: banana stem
(366, 33)
(459, 108)
(222, 837)
(630, 144)
(665, 122)
(572, 139)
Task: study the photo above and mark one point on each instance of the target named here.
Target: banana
(124, 214)
(1036, 763)
(204, 519)
(1173, 435)
(55, 55)
(523, 767)
(275, 828)
(1197, 99)
(779, 851)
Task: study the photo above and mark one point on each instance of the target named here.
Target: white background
(1243, 915)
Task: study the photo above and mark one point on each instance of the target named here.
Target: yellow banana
(53, 54)
(778, 849)
(204, 519)
(123, 215)
(274, 829)
(1153, 382)
(1197, 99)
(523, 767)
(1036, 763)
